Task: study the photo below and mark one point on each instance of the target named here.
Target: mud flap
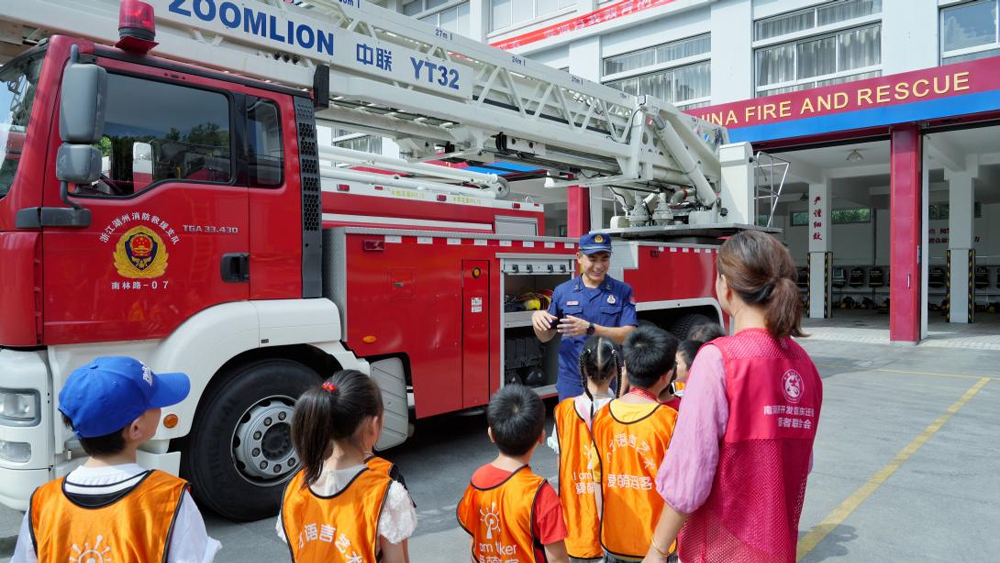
(391, 379)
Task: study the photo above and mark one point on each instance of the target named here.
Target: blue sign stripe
(875, 117)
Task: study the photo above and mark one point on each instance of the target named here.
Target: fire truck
(164, 194)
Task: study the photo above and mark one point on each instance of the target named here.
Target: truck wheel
(683, 325)
(240, 455)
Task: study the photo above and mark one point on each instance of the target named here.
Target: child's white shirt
(583, 406)
(398, 519)
(190, 542)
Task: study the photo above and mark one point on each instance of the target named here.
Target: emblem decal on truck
(140, 254)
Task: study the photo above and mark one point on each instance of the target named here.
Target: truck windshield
(18, 82)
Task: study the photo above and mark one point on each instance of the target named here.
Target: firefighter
(592, 304)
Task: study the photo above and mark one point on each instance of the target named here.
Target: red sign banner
(883, 92)
(607, 13)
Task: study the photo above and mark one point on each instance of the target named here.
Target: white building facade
(707, 52)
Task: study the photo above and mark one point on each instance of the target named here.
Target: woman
(736, 469)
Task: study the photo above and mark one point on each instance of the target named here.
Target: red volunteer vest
(577, 488)
(136, 527)
(752, 513)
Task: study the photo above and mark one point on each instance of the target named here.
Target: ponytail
(783, 311)
(333, 410)
(761, 271)
(600, 361)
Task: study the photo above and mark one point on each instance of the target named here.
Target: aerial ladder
(444, 97)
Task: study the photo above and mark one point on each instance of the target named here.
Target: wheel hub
(262, 443)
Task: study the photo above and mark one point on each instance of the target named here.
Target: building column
(905, 230)
(585, 58)
(820, 255)
(577, 211)
(479, 20)
(961, 256)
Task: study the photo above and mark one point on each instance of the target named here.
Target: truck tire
(683, 325)
(240, 453)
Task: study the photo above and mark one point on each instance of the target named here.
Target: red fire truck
(164, 195)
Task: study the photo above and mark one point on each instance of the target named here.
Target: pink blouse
(686, 474)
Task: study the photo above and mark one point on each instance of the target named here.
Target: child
(706, 332)
(600, 363)
(631, 437)
(511, 513)
(113, 405)
(335, 508)
(686, 352)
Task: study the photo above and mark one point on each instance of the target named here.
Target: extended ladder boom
(428, 88)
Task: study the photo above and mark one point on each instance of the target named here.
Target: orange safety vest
(630, 455)
(135, 527)
(499, 518)
(380, 465)
(577, 488)
(341, 527)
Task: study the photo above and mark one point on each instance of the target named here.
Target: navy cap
(595, 242)
(109, 393)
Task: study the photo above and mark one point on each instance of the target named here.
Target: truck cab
(196, 213)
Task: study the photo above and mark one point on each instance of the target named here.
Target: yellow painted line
(937, 374)
(851, 503)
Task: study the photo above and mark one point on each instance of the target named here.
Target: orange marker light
(369, 339)
(171, 420)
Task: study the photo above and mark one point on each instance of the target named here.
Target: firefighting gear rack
(442, 96)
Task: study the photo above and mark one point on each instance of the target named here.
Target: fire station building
(887, 112)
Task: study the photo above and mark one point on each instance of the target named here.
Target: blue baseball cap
(595, 242)
(110, 392)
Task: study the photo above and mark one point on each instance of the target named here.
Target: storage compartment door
(475, 332)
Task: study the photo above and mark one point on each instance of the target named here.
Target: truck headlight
(17, 452)
(20, 407)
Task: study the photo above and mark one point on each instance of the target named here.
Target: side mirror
(78, 164)
(84, 99)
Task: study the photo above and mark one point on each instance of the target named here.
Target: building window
(846, 46)
(969, 31)
(830, 13)
(508, 13)
(357, 141)
(837, 216)
(941, 211)
(455, 19)
(839, 57)
(414, 7)
(665, 71)
(852, 215)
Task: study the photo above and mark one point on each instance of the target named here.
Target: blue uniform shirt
(611, 305)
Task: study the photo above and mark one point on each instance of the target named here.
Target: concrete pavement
(907, 464)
